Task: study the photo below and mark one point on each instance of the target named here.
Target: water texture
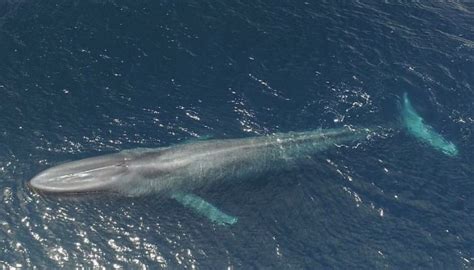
(84, 78)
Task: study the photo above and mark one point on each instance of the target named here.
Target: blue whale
(178, 170)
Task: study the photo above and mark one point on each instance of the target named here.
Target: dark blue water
(83, 78)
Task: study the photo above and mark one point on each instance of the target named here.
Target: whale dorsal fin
(204, 208)
(197, 139)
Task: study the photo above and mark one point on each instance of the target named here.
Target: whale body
(178, 170)
(187, 166)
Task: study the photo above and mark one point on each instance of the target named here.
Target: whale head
(96, 174)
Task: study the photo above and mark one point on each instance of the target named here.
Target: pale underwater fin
(416, 126)
(204, 208)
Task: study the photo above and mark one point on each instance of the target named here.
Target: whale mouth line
(73, 183)
(67, 193)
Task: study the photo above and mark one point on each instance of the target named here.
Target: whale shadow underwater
(177, 170)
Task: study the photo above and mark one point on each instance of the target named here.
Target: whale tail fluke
(416, 126)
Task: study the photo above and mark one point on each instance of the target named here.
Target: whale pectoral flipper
(204, 208)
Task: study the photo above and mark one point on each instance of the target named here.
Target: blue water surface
(84, 78)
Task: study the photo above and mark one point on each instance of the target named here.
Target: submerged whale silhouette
(178, 170)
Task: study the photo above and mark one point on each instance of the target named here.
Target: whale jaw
(97, 174)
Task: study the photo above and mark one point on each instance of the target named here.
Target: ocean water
(84, 78)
